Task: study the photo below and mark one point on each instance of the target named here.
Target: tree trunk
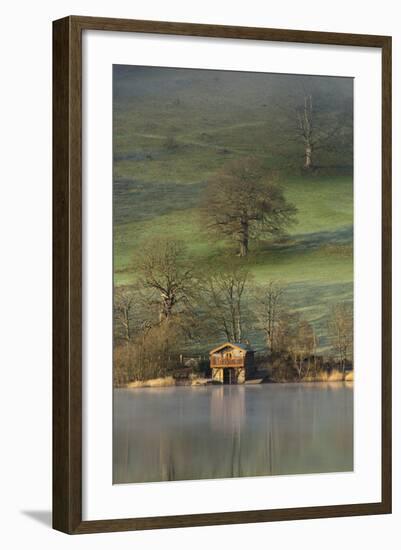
(343, 361)
(244, 238)
(308, 156)
(126, 325)
(166, 307)
(239, 325)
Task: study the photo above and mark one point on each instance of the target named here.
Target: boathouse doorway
(228, 376)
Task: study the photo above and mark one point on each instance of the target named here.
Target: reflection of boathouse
(231, 363)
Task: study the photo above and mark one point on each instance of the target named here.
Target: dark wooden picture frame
(67, 274)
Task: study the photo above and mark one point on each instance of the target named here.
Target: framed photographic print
(222, 272)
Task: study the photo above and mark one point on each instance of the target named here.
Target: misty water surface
(231, 431)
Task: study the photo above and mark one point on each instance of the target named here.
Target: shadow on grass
(312, 241)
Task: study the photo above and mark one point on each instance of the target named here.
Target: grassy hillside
(173, 129)
(319, 243)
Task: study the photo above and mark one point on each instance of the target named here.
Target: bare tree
(301, 344)
(284, 329)
(123, 308)
(306, 129)
(165, 273)
(269, 309)
(243, 201)
(132, 314)
(318, 118)
(319, 129)
(224, 291)
(156, 351)
(341, 332)
(307, 343)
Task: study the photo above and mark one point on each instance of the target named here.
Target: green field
(319, 246)
(173, 130)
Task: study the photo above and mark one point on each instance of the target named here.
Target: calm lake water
(231, 431)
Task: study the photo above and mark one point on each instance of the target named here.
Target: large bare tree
(243, 200)
(164, 271)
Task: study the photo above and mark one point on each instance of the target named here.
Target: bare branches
(301, 346)
(243, 201)
(319, 118)
(123, 306)
(163, 271)
(340, 328)
(305, 119)
(224, 292)
(131, 313)
(269, 310)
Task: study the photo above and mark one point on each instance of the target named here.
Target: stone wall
(218, 375)
(240, 376)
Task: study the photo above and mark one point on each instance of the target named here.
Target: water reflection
(232, 431)
(227, 409)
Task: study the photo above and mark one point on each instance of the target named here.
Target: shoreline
(169, 382)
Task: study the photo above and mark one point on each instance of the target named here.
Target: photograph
(233, 274)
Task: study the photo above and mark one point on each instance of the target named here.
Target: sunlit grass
(324, 219)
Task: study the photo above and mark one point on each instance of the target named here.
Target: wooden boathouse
(231, 363)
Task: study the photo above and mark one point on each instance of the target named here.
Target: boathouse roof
(243, 347)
